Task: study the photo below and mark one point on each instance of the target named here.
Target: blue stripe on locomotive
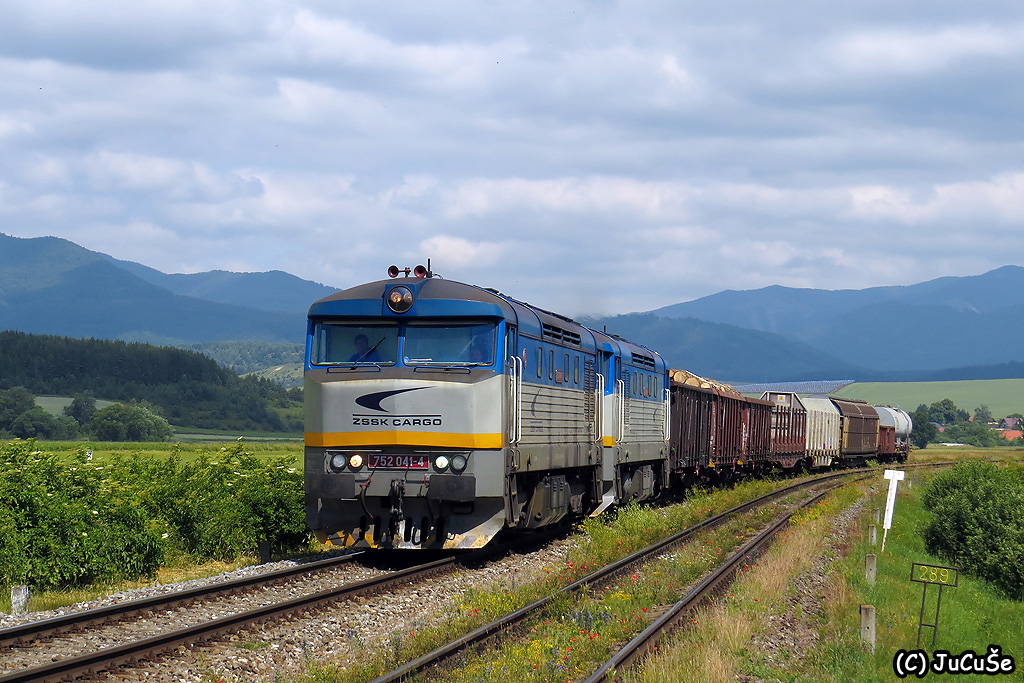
(530, 322)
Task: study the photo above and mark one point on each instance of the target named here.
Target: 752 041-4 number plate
(397, 461)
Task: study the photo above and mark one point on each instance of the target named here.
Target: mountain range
(49, 285)
(52, 286)
(943, 323)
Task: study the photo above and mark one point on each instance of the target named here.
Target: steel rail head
(35, 630)
(642, 642)
(483, 632)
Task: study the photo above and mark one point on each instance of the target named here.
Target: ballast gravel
(333, 636)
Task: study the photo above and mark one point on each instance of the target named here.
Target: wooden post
(878, 515)
(867, 626)
(870, 563)
(873, 534)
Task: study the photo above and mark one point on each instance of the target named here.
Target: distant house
(1011, 434)
(1010, 423)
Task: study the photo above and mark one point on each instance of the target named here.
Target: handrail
(620, 434)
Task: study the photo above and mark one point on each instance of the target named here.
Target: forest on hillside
(188, 388)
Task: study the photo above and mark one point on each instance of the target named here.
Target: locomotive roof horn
(419, 271)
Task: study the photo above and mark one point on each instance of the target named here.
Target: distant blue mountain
(726, 352)
(49, 285)
(274, 290)
(943, 323)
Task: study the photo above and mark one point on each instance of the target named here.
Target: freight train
(439, 413)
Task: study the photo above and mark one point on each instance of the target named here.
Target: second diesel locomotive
(439, 413)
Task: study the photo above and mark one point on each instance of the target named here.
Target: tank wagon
(894, 427)
(440, 413)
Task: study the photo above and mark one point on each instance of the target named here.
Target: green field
(55, 405)
(1002, 396)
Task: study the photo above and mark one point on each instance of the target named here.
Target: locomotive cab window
(337, 343)
(447, 343)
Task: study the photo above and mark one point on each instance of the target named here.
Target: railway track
(34, 631)
(477, 637)
(647, 639)
(29, 638)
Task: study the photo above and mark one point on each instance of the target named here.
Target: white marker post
(894, 477)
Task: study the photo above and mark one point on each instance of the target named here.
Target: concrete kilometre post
(867, 626)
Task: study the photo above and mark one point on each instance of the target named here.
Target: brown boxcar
(860, 428)
(714, 428)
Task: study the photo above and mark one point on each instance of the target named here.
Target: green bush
(65, 524)
(978, 522)
(222, 508)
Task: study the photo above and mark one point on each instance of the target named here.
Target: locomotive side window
(540, 362)
(336, 343)
(565, 368)
(576, 369)
(551, 365)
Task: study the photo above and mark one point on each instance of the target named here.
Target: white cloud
(916, 51)
(576, 155)
(575, 195)
(455, 252)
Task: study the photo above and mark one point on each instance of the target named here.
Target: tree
(36, 423)
(924, 431)
(13, 403)
(129, 422)
(946, 412)
(81, 409)
(973, 433)
(982, 415)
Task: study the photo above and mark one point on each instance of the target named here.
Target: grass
(717, 647)
(726, 641)
(974, 615)
(1002, 396)
(180, 569)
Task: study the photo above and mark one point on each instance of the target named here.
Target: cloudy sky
(589, 157)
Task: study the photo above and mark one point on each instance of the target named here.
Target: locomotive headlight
(356, 461)
(441, 462)
(459, 463)
(338, 461)
(400, 299)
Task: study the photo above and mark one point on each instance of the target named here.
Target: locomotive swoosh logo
(372, 401)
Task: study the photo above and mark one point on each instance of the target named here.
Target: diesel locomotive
(439, 413)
